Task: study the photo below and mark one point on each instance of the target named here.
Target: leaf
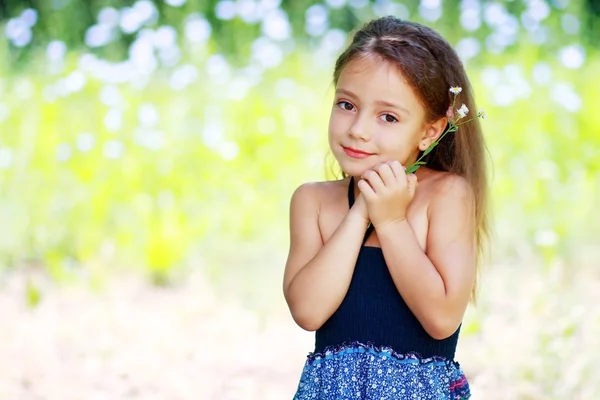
(414, 167)
(33, 295)
(430, 148)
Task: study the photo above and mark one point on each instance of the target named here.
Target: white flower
(455, 90)
(462, 111)
(482, 114)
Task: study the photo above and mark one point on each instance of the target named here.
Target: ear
(432, 132)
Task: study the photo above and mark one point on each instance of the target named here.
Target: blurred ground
(130, 340)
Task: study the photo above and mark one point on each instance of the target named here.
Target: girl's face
(376, 117)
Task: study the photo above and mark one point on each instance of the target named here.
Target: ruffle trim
(368, 347)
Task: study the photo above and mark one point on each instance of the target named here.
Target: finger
(366, 189)
(412, 183)
(386, 174)
(397, 168)
(373, 178)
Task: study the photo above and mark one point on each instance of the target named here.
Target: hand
(359, 209)
(388, 191)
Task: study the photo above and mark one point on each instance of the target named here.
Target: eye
(344, 105)
(389, 118)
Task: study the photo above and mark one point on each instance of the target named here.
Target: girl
(382, 270)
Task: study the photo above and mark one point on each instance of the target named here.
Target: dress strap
(370, 228)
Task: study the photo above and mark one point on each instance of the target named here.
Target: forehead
(372, 76)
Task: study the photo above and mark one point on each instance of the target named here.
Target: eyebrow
(380, 102)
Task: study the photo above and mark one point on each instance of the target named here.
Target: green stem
(452, 124)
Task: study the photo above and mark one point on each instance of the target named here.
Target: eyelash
(340, 104)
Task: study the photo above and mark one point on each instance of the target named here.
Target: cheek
(399, 144)
(336, 125)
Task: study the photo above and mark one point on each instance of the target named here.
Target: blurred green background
(164, 138)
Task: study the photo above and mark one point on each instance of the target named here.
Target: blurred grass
(223, 157)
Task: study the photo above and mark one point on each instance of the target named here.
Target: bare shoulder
(316, 193)
(441, 185)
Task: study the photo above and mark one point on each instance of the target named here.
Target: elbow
(308, 324)
(306, 320)
(304, 315)
(440, 328)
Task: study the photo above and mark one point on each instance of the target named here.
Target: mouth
(356, 153)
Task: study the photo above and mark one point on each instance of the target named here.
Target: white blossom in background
(175, 3)
(148, 115)
(470, 15)
(225, 10)
(4, 112)
(218, 68)
(317, 20)
(382, 8)
(228, 150)
(358, 3)
(285, 88)
(197, 29)
(572, 56)
(541, 73)
(248, 11)
(109, 16)
(546, 237)
(63, 152)
(142, 13)
(23, 89)
(164, 37)
(110, 96)
(183, 76)
(113, 149)
(113, 120)
(514, 75)
(539, 35)
(570, 24)
(141, 54)
(494, 14)
(5, 157)
(565, 95)
(266, 53)
(539, 10)
(18, 32)
(276, 25)
(468, 48)
(212, 134)
(75, 81)
(85, 142)
(430, 10)
(149, 138)
(29, 16)
(334, 40)
(99, 35)
(335, 4)
(56, 51)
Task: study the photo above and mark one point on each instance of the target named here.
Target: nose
(359, 130)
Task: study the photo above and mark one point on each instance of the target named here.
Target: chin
(353, 166)
(352, 169)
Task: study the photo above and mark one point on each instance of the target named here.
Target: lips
(356, 153)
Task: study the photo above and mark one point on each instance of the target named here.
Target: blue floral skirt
(360, 371)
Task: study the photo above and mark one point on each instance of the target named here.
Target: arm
(317, 275)
(436, 285)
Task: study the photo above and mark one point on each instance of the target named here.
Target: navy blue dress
(373, 347)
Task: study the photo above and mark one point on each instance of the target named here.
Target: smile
(355, 153)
